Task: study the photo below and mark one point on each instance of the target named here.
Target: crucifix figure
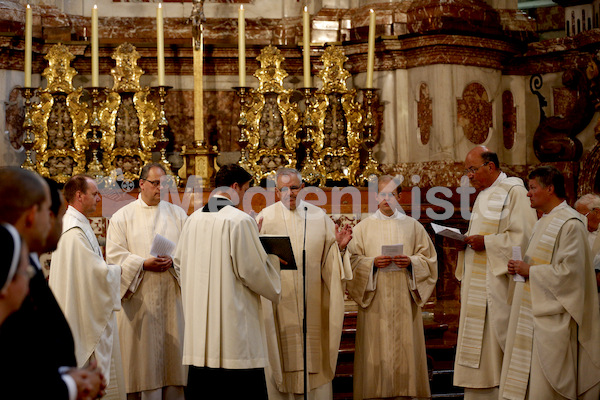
(197, 19)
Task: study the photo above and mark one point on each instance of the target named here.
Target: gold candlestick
(244, 93)
(310, 170)
(95, 168)
(369, 140)
(29, 136)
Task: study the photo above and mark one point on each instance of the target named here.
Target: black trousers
(219, 383)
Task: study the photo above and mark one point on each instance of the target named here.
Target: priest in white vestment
(87, 288)
(501, 219)
(552, 350)
(224, 271)
(151, 318)
(390, 359)
(326, 271)
(589, 206)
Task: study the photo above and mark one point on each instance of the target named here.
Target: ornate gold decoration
(126, 73)
(340, 120)
(272, 120)
(59, 73)
(59, 120)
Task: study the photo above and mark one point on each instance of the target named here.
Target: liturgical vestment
(552, 350)
(151, 318)
(503, 214)
(390, 359)
(326, 269)
(224, 271)
(87, 290)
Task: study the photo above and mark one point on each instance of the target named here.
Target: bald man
(501, 219)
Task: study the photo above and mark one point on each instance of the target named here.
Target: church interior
(291, 83)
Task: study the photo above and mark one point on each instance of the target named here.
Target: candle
(28, 35)
(95, 46)
(371, 52)
(306, 47)
(160, 45)
(242, 46)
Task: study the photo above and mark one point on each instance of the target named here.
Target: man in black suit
(37, 353)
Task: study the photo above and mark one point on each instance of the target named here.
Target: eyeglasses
(154, 183)
(591, 211)
(472, 170)
(294, 189)
(386, 195)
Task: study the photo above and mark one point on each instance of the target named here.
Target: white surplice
(514, 227)
(151, 319)
(326, 271)
(224, 271)
(390, 359)
(87, 290)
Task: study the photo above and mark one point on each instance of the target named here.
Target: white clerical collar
(396, 215)
(72, 211)
(299, 206)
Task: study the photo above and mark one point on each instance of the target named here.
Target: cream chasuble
(151, 319)
(390, 359)
(87, 290)
(224, 271)
(503, 214)
(553, 347)
(326, 269)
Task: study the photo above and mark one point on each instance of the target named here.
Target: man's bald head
(482, 167)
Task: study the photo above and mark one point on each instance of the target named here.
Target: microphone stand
(304, 320)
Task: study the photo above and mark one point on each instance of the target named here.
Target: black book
(281, 246)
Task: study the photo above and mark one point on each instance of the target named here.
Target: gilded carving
(59, 73)
(340, 121)
(271, 121)
(126, 73)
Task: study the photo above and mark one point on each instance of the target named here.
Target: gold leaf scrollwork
(342, 120)
(271, 118)
(126, 73)
(59, 73)
(108, 116)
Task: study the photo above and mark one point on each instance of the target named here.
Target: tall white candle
(95, 46)
(306, 47)
(242, 46)
(160, 45)
(28, 40)
(371, 51)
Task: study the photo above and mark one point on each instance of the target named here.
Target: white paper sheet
(161, 246)
(449, 232)
(392, 250)
(516, 255)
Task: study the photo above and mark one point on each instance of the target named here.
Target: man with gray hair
(325, 271)
(589, 206)
(151, 323)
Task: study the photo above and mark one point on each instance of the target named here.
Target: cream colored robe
(325, 271)
(514, 229)
(390, 359)
(87, 290)
(566, 322)
(151, 319)
(224, 271)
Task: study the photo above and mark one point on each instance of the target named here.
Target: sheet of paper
(516, 255)
(447, 231)
(161, 246)
(392, 250)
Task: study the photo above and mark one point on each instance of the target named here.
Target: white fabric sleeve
(69, 382)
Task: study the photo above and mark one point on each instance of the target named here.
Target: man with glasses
(501, 219)
(325, 270)
(151, 322)
(87, 288)
(390, 289)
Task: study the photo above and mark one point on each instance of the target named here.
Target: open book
(281, 247)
